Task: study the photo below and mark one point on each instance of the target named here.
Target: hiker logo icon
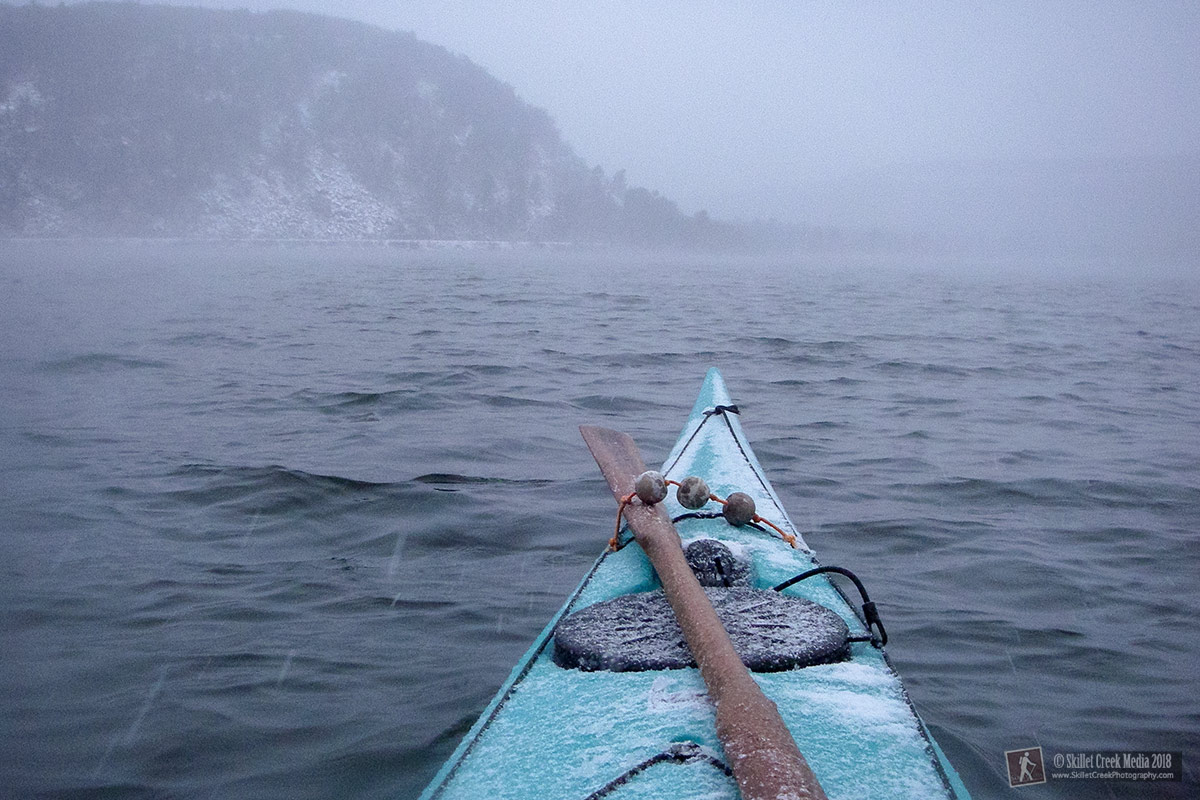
(1025, 766)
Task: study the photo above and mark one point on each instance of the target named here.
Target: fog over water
(825, 114)
(278, 519)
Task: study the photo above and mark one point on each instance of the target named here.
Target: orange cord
(614, 543)
(787, 537)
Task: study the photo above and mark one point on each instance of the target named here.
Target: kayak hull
(552, 732)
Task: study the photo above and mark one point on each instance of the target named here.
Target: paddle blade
(618, 456)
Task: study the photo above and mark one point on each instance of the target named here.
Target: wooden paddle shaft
(764, 758)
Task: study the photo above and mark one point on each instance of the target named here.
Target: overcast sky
(711, 102)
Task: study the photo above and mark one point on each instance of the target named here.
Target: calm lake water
(277, 522)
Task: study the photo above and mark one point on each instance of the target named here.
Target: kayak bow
(762, 754)
(608, 701)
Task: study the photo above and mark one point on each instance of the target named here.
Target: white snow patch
(23, 94)
(426, 89)
(329, 204)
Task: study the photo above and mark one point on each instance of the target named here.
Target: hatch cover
(636, 632)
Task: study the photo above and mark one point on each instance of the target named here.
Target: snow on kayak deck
(855, 726)
(567, 733)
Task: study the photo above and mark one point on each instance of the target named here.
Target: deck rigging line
(678, 753)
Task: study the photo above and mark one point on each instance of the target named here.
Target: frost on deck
(566, 733)
(565, 737)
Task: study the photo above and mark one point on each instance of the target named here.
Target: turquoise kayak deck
(565, 733)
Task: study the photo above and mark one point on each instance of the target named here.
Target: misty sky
(717, 105)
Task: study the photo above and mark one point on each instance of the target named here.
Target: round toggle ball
(739, 508)
(650, 487)
(693, 492)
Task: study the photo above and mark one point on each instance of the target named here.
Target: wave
(512, 401)
(102, 362)
(609, 403)
(1063, 492)
(917, 368)
(452, 479)
(265, 491)
(386, 400)
(274, 488)
(274, 473)
(210, 339)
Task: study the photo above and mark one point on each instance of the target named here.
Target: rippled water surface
(276, 523)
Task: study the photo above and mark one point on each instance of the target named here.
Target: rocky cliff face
(129, 120)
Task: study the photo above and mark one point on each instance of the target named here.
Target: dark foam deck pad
(636, 632)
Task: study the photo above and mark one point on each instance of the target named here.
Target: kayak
(608, 701)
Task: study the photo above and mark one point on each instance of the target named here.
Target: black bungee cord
(870, 613)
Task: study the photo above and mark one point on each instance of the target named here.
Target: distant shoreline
(405, 244)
